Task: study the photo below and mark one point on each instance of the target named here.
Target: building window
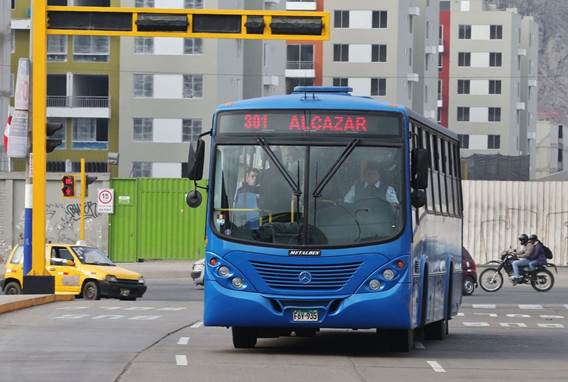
(144, 4)
(463, 86)
(441, 35)
(143, 129)
(440, 61)
(494, 114)
(90, 133)
(464, 59)
(193, 4)
(340, 81)
(191, 128)
(143, 85)
(493, 141)
(410, 57)
(340, 52)
(379, 19)
(143, 45)
(300, 56)
(291, 83)
(91, 48)
(439, 116)
(341, 19)
(560, 156)
(426, 62)
(496, 32)
(141, 169)
(378, 53)
(560, 128)
(56, 48)
(495, 87)
(427, 29)
(463, 114)
(464, 32)
(440, 90)
(378, 87)
(192, 46)
(495, 59)
(464, 141)
(410, 24)
(192, 86)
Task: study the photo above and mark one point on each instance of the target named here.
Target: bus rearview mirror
(193, 199)
(418, 198)
(420, 160)
(195, 161)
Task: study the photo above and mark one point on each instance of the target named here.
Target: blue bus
(328, 210)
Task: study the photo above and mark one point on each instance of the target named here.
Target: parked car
(78, 269)
(469, 273)
(198, 271)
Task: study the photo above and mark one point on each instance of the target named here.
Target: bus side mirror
(420, 159)
(418, 198)
(193, 199)
(196, 160)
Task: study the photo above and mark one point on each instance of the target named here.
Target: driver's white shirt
(390, 194)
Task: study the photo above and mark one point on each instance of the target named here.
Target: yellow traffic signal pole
(83, 192)
(143, 22)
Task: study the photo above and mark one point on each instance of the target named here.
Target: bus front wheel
(397, 340)
(244, 338)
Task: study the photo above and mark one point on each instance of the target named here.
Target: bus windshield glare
(339, 194)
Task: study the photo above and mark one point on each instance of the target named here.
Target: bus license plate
(305, 315)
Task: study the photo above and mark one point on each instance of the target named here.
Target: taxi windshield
(90, 255)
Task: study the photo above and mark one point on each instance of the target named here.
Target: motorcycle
(541, 279)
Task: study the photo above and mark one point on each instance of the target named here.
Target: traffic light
(68, 188)
(89, 180)
(51, 143)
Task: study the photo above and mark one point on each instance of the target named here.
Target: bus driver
(371, 186)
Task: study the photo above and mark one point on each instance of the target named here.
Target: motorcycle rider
(529, 255)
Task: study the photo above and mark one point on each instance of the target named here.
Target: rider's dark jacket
(538, 253)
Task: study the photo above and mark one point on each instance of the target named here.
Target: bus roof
(328, 98)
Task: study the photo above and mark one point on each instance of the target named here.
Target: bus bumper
(385, 309)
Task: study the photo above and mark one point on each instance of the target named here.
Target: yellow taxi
(79, 270)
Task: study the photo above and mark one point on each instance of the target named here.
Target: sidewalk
(161, 269)
(17, 302)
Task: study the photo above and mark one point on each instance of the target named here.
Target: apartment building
(490, 80)
(550, 150)
(169, 87)
(6, 42)
(82, 90)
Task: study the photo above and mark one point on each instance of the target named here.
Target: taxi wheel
(91, 291)
(12, 288)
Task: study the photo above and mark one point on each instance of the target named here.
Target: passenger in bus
(372, 186)
(246, 200)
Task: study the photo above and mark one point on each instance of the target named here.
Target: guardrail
(78, 101)
(300, 65)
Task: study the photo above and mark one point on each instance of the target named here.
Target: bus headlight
(237, 282)
(374, 284)
(223, 271)
(388, 274)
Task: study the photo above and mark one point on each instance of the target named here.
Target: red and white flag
(6, 132)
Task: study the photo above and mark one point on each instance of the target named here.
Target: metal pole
(39, 52)
(83, 191)
(28, 218)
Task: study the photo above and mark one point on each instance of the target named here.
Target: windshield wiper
(293, 185)
(336, 165)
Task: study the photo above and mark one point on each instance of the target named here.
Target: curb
(33, 301)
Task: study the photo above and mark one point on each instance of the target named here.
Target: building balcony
(21, 24)
(522, 52)
(431, 49)
(298, 5)
(440, 103)
(521, 106)
(413, 77)
(441, 48)
(300, 69)
(78, 106)
(414, 11)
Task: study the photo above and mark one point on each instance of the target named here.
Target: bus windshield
(296, 195)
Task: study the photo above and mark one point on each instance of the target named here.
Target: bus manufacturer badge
(305, 277)
(304, 252)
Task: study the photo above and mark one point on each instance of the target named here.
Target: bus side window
(430, 196)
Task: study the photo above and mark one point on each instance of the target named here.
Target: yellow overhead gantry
(141, 22)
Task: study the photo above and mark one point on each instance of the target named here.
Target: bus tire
(397, 340)
(436, 330)
(244, 338)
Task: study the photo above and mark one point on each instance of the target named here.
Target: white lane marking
(111, 307)
(73, 316)
(144, 318)
(530, 306)
(551, 326)
(436, 366)
(419, 345)
(484, 306)
(486, 314)
(566, 306)
(172, 309)
(550, 316)
(513, 315)
(460, 314)
(198, 324)
(183, 341)
(108, 317)
(140, 308)
(181, 360)
(512, 324)
(476, 324)
(73, 307)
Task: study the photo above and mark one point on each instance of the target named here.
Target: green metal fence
(152, 221)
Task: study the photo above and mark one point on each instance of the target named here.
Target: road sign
(105, 201)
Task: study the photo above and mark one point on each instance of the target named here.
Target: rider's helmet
(523, 238)
(533, 237)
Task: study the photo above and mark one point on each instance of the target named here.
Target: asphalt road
(516, 334)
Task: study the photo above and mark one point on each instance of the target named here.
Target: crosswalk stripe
(530, 306)
(436, 366)
(198, 324)
(183, 341)
(181, 360)
(484, 306)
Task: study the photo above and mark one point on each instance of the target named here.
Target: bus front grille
(305, 276)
